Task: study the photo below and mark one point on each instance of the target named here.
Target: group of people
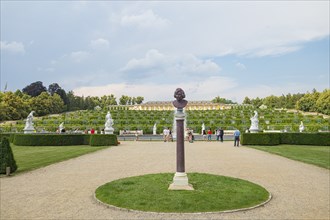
(167, 135)
(219, 134)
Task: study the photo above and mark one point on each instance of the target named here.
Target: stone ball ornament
(179, 95)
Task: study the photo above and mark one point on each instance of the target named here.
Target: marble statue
(254, 122)
(301, 127)
(61, 127)
(154, 129)
(108, 124)
(29, 123)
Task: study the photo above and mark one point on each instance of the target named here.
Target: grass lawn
(212, 193)
(29, 158)
(316, 155)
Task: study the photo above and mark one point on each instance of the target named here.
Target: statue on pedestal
(154, 129)
(180, 179)
(108, 124)
(29, 123)
(61, 127)
(203, 128)
(301, 127)
(254, 122)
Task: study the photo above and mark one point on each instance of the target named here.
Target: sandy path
(65, 190)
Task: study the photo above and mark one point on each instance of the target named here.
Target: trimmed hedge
(103, 140)
(318, 139)
(64, 140)
(260, 139)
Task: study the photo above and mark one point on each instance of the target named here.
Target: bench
(129, 132)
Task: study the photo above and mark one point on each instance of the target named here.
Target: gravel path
(65, 190)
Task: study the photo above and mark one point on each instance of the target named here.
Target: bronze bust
(179, 95)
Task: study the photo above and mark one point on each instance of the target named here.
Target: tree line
(17, 105)
(308, 102)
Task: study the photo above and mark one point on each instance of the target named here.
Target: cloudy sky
(230, 49)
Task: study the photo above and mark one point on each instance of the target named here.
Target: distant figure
(209, 135)
(165, 134)
(221, 134)
(204, 135)
(190, 137)
(301, 127)
(92, 131)
(237, 133)
(217, 133)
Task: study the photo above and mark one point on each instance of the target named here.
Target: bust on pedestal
(180, 179)
(28, 129)
(254, 123)
(108, 124)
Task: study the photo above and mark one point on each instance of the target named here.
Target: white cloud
(241, 66)
(99, 43)
(79, 56)
(275, 51)
(12, 47)
(156, 63)
(146, 19)
(152, 59)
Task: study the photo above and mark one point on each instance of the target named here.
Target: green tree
(323, 102)
(218, 99)
(124, 100)
(34, 89)
(271, 101)
(139, 99)
(308, 102)
(247, 100)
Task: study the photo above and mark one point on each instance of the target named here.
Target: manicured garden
(316, 155)
(229, 119)
(212, 193)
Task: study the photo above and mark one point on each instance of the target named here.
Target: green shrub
(318, 139)
(260, 138)
(6, 157)
(103, 140)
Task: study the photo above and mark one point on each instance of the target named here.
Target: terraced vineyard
(237, 117)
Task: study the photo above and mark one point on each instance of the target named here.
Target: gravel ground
(66, 190)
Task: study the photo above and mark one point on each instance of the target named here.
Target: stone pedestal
(254, 130)
(108, 130)
(28, 130)
(180, 182)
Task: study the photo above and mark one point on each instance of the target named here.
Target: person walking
(209, 135)
(217, 132)
(221, 134)
(237, 133)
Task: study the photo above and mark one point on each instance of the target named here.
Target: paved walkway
(65, 190)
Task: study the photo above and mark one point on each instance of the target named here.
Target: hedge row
(318, 139)
(64, 140)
